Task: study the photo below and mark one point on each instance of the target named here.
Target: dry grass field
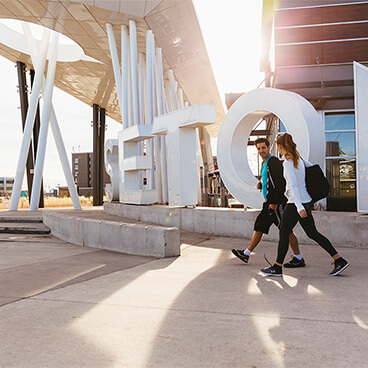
(49, 202)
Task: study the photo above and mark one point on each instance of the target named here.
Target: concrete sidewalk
(68, 306)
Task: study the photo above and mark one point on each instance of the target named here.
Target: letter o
(300, 119)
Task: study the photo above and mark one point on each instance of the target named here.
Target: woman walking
(298, 208)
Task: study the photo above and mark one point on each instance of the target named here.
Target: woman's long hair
(286, 141)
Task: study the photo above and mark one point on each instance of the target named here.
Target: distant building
(6, 186)
(82, 168)
(64, 192)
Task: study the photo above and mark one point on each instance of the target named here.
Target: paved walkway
(63, 305)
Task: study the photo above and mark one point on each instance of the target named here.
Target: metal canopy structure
(173, 22)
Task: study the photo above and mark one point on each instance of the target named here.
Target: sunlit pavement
(68, 306)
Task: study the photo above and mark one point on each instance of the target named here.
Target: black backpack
(317, 184)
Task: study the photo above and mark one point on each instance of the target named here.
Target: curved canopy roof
(173, 22)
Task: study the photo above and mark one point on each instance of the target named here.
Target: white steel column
(157, 140)
(180, 98)
(124, 72)
(199, 164)
(173, 87)
(170, 104)
(28, 128)
(134, 70)
(161, 102)
(142, 86)
(149, 97)
(115, 62)
(54, 124)
(130, 97)
(45, 118)
(142, 93)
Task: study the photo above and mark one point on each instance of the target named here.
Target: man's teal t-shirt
(264, 177)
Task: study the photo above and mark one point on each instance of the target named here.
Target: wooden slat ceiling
(173, 22)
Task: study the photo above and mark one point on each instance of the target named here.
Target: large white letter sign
(112, 169)
(131, 162)
(181, 141)
(300, 119)
(361, 126)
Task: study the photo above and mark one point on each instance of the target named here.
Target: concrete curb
(341, 228)
(137, 239)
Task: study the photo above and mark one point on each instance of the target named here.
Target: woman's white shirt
(296, 191)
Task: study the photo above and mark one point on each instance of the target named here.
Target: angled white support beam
(115, 62)
(45, 119)
(54, 124)
(28, 128)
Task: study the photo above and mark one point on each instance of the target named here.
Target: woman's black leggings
(289, 219)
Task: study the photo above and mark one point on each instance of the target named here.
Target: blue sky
(231, 31)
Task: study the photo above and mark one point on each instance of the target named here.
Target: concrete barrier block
(114, 208)
(111, 236)
(154, 236)
(204, 221)
(150, 214)
(341, 228)
(187, 218)
(172, 242)
(92, 233)
(133, 211)
(135, 239)
(235, 225)
(139, 239)
(169, 216)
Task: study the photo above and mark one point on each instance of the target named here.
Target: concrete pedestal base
(341, 228)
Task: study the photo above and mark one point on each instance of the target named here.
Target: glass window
(76, 167)
(340, 170)
(282, 127)
(342, 121)
(76, 160)
(340, 144)
(341, 174)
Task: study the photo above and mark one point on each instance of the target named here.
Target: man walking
(272, 185)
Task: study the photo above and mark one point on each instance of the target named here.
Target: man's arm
(276, 188)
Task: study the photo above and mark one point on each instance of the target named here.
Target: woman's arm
(294, 196)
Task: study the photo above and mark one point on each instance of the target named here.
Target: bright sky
(232, 37)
